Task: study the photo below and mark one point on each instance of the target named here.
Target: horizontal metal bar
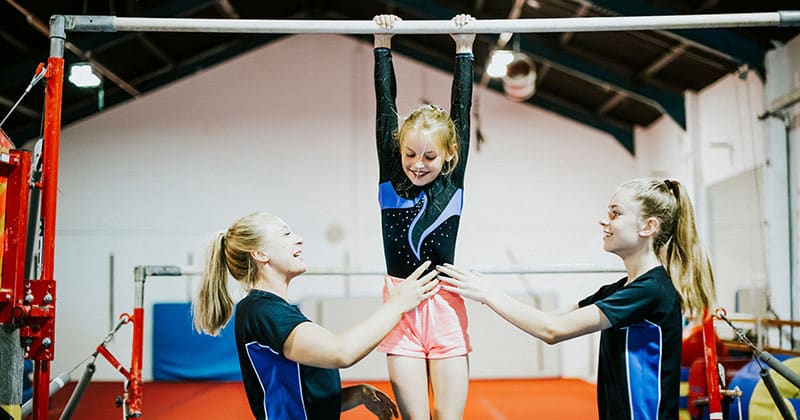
(789, 18)
(166, 270)
(493, 271)
(80, 23)
(173, 270)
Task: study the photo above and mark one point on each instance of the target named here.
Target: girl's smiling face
(422, 159)
(622, 225)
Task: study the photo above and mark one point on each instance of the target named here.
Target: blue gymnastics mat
(180, 353)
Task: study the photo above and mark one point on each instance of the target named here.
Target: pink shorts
(436, 329)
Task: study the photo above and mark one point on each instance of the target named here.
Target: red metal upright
(135, 385)
(712, 371)
(15, 167)
(52, 134)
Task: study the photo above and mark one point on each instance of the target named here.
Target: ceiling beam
(226, 9)
(620, 131)
(22, 109)
(16, 42)
(477, 6)
(174, 70)
(86, 107)
(174, 8)
(719, 41)
(154, 49)
(707, 4)
(668, 102)
(619, 68)
(623, 134)
(610, 103)
(168, 73)
(664, 60)
(203, 59)
(542, 72)
(645, 74)
(43, 29)
(566, 37)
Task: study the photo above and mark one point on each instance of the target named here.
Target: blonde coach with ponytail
(290, 364)
(650, 225)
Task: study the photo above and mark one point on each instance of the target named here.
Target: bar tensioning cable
(80, 23)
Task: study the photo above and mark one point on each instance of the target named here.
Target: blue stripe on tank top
(643, 359)
(280, 381)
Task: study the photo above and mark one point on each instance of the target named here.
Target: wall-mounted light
(83, 75)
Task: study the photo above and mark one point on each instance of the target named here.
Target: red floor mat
(488, 399)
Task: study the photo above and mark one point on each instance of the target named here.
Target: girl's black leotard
(419, 223)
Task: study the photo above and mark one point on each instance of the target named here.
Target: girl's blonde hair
(229, 252)
(436, 125)
(677, 244)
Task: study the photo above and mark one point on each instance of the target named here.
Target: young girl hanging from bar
(421, 184)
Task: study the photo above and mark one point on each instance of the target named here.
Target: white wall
(739, 170)
(733, 152)
(289, 128)
(723, 147)
(780, 189)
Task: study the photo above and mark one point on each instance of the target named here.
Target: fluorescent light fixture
(83, 75)
(499, 62)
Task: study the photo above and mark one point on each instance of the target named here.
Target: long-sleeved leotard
(419, 223)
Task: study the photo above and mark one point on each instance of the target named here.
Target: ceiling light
(534, 4)
(83, 75)
(519, 82)
(499, 62)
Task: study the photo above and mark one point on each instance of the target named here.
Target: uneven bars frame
(80, 23)
(60, 24)
(133, 401)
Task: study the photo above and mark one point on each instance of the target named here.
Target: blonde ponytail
(214, 305)
(687, 260)
(229, 252)
(677, 244)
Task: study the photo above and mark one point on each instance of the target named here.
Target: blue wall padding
(181, 353)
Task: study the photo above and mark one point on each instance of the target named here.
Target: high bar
(84, 23)
(177, 270)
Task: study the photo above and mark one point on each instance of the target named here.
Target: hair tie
(669, 185)
(436, 107)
